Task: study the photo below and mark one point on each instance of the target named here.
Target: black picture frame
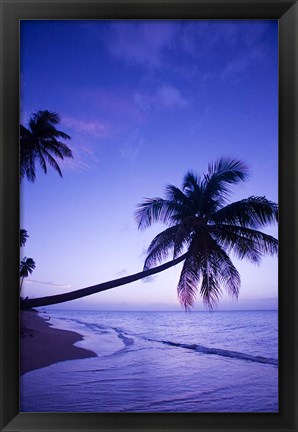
(286, 12)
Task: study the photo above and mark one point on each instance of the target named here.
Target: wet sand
(42, 345)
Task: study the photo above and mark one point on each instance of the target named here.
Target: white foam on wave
(102, 343)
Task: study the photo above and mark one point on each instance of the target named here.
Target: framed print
(148, 163)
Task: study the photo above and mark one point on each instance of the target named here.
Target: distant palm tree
(23, 237)
(202, 230)
(40, 142)
(26, 267)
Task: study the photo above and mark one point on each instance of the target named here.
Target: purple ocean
(161, 362)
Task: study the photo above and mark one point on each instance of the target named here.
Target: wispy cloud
(239, 65)
(47, 283)
(142, 42)
(84, 157)
(170, 97)
(154, 45)
(206, 35)
(144, 253)
(121, 273)
(87, 136)
(96, 128)
(165, 97)
(131, 149)
(115, 105)
(149, 279)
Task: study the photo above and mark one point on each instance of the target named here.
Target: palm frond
(27, 266)
(63, 135)
(160, 247)
(23, 237)
(155, 210)
(217, 272)
(51, 146)
(44, 117)
(41, 160)
(241, 247)
(181, 213)
(27, 165)
(188, 283)
(175, 194)
(193, 190)
(64, 149)
(210, 289)
(224, 269)
(53, 162)
(252, 212)
(24, 132)
(193, 272)
(245, 242)
(58, 148)
(229, 170)
(182, 238)
(210, 267)
(221, 175)
(190, 181)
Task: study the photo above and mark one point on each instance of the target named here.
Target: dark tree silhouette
(23, 237)
(26, 267)
(201, 221)
(40, 142)
(203, 229)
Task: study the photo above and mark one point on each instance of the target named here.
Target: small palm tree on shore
(26, 267)
(203, 229)
(40, 142)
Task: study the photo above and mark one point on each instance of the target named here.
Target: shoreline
(42, 345)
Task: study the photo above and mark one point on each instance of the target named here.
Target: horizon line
(152, 310)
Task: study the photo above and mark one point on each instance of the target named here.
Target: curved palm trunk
(73, 295)
(21, 285)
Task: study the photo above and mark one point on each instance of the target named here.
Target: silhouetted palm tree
(40, 142)
(26, 267)
(202, 230)
(202, 222)
(23, 237)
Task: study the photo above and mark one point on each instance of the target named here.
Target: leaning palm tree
(201, 222)
(40, 142)
(26, 267)
(202, 230)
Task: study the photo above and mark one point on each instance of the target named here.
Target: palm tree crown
(203, 223)
(26, 267)
(23, 237)
(40, 142)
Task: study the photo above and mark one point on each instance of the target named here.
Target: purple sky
(144, 102)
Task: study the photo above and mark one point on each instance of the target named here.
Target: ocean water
(162, 362)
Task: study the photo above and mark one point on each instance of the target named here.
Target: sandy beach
(42, 345)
